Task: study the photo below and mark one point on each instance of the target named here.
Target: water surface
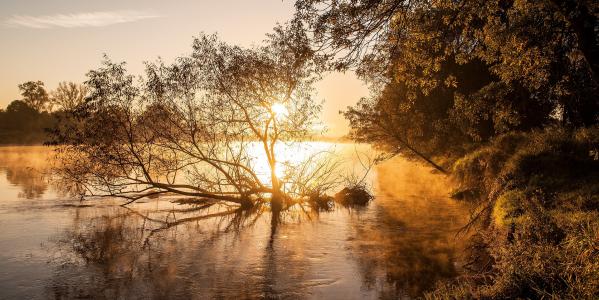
(52, 246)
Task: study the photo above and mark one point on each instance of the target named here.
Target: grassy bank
(537, 220)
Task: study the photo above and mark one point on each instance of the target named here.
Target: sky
(61, 40)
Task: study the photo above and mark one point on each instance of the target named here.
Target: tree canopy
(68, 95)
(35, 95)
(22, 124)
(451, 73)
(29, 120)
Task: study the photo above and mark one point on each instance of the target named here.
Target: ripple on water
(51, 246)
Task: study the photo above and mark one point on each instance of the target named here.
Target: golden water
(55, 247)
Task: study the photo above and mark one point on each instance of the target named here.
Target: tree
(447, 73)
(69, 95)
(20, 117)
(22, 124)
(35, 95)
(198, 126)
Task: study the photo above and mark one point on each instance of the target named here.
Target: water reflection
(25, 168)
(397, 246)
(215, 252)
(407, 241)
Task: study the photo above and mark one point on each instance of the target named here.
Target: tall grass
(538, 216)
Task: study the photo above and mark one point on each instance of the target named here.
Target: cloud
(90, 19)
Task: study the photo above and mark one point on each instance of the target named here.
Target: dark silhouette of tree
(198, 126)
(68, 95)
(446, 74)
(22, 124)
(28, 121)
(35, 95)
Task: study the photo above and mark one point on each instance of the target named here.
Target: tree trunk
(422, 156)
(583, 24)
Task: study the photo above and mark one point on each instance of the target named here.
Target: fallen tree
(197, 127)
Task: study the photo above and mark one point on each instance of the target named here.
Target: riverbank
(537, 217)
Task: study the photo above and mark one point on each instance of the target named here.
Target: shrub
(355, 195)
(508, 207)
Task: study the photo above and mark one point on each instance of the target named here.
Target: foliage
(22, 124)
(508, 207)
(28, 121)
(449, 74)
(68, 95)
(354, 195)
(542, 159)
(35, 95)
(539, 195)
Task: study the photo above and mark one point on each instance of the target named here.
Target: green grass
(541, 230)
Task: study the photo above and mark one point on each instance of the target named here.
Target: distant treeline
(30, 119)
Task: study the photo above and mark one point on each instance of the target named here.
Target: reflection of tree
(410, 238)
(402, 244)
(409, 264)
(32, 183)
(26, 168)
(185, 252)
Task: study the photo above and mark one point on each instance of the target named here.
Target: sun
(279, 110)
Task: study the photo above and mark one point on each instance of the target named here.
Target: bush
(508, 207)
(320, 201)
(355, 195)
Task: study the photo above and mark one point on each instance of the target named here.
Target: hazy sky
(60, 40)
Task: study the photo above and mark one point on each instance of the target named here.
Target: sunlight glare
(289, 155)
(279, 110)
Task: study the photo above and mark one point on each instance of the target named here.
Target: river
(53, 246)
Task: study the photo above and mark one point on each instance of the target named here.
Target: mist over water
(52, 246)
